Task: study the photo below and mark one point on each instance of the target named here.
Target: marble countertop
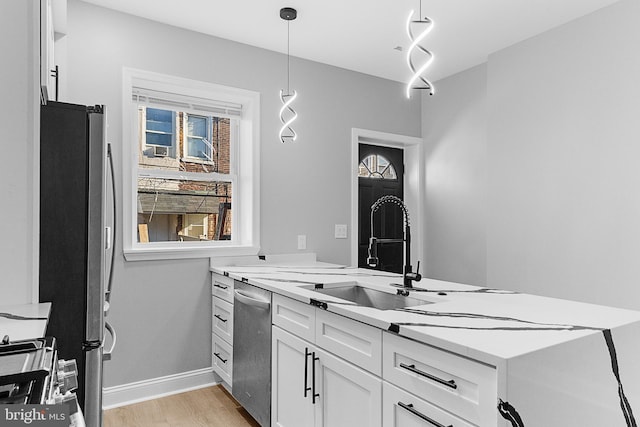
(25, 321)
(485, 324)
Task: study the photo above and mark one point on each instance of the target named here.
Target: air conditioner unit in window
(159, 151)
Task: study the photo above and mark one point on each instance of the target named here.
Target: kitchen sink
(365, 296)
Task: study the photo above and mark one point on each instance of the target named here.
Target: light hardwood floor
(207, 407)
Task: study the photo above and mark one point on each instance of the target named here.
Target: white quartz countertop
(489, 325)
(25, 321)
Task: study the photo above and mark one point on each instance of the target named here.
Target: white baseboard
(139, 391)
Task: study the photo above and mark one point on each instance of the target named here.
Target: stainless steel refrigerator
(75, 273)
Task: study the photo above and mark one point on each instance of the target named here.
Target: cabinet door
(222, 287)
(290, 359)
(403, 409)
(349, 396)
(222, 358)
(223, 319)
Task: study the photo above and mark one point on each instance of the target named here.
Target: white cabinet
(294, 316)
(47, 57)
(403, 409)
(290, 389)
(459, 385)
(222, 359)
(354, 341)
(222, 327)
(328, 370)
(223, 319)
(311, 387)
(347, 395)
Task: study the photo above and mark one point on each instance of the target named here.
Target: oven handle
(250, 299)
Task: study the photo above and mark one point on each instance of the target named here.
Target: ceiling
(363, 35)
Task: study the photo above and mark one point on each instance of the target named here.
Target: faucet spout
(372, 260)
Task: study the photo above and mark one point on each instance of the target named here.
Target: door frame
(413, 185)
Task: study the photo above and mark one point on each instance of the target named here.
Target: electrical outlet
(341, 231)
(302, 241)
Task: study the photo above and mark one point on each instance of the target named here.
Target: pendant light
(287, 114)
(423, 25)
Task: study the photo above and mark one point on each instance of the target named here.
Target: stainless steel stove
(31, 373)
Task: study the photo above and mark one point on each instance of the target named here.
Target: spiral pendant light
(418, 54)
(287, 113)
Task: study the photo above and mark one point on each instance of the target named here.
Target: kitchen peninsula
(462, 355)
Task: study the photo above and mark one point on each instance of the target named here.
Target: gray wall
(564, 179)
(19, 86)
(163, 306)
(562, 192)
(454, 130)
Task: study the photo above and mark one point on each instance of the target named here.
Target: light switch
(341, 231)
(302, 241)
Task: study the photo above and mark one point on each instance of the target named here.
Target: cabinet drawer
(222, 287)
(403, 409)
(222, 358)
(354, 341)
(223, 319)
(459, 385)
(294, 317)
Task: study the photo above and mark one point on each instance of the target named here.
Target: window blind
(176, 101)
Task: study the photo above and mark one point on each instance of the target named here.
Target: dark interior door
(387, 179)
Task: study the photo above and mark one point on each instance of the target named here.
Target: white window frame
(245, 155)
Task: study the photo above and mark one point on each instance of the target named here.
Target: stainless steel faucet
(372, 260)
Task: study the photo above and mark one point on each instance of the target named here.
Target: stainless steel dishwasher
(252, 350)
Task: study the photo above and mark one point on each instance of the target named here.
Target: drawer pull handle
(220, 286)
(219, 318)
(412, 368)
(307, 353)
(314, 395)
(218, 356)
(409, 407)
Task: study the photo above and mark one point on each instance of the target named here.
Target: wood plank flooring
(206, 407)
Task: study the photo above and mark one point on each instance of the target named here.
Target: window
(159, 127)
(199, 129)
(191, 172)
(376, 166)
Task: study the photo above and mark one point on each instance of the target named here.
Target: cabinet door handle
(306, 371)
(218, 356)
(314, 395)
(412, 368)
(409, 407)
(220, 286)
(219, 318)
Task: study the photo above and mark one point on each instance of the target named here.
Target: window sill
(151, 253)
(197, 160)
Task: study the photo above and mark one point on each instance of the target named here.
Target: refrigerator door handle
(107, 354)
(107, 237)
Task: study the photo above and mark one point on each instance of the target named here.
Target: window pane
(159, 127)
(197, 126)
(197, 143)
(159, 139)
(195, 226)
(191, 137)
(375, 166)
(159, 120)
(181, 210)
(197, 147)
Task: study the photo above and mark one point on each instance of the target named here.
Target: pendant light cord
(288, 59)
